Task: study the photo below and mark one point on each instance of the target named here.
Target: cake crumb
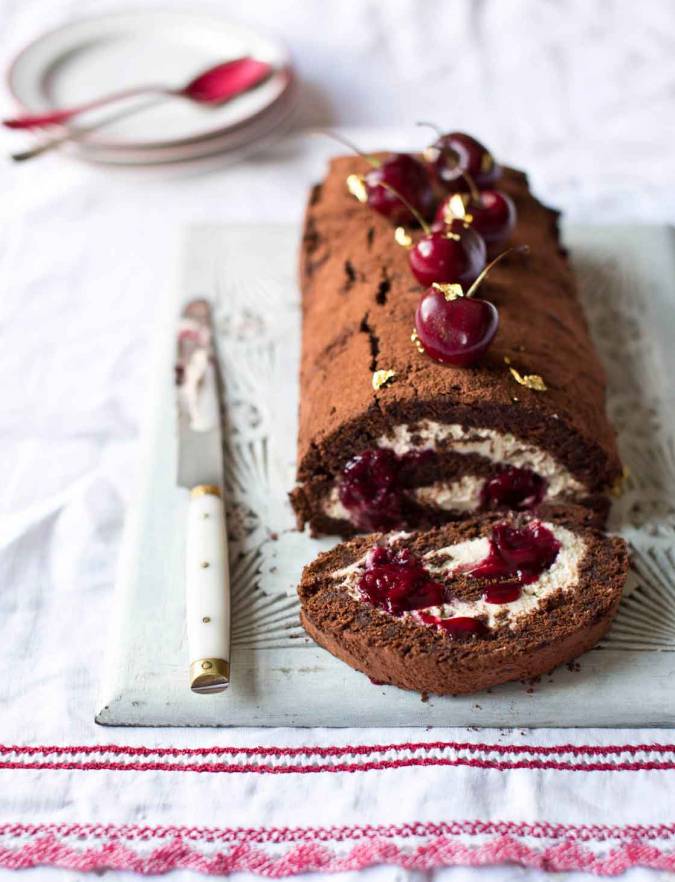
(424, 697)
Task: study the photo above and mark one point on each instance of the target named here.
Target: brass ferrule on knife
(206, 490)
(209, 675)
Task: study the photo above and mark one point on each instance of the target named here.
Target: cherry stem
(350, 144)
(519, 249)
(415, 213)
(473, 189)
(430, 125)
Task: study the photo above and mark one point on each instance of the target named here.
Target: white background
(581, 94)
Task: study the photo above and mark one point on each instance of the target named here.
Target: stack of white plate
(87, 59)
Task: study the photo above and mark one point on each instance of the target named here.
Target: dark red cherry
(534, 548)
(492, 213)
(372, 487)
(513, 488)
(451, 326)
(455, 154)
(517, 557)
(502, 592)
(459, 625)
(454, 254)
(397, 582)
(457, 331)
(409, 178)
(370, 490)
(518, 554)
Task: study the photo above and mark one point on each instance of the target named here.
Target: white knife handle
(207, 586)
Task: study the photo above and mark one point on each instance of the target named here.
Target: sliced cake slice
(467, 605)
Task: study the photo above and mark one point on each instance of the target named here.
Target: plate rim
(157, 158)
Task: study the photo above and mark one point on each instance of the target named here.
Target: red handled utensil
(213, 86)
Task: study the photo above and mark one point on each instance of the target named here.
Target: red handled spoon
(213, 86)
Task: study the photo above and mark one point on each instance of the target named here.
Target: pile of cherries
(472, 220)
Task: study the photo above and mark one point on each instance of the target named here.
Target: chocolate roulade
(389, 438)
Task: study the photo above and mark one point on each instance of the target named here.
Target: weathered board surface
(279, 677)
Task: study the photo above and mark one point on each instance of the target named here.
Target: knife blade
(200, 470)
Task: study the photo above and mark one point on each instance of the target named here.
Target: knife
(200, 470)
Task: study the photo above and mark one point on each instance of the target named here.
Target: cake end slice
(466, 606)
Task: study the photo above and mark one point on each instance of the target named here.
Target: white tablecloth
(578, 95)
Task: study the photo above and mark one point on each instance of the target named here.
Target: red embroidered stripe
(342, 833)
(342, 750)
(436, 845)
(234, 768)
(361, 758)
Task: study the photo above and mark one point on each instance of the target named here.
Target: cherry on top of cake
(453, 251)
(404, 187)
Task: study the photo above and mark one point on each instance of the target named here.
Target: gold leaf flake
(620, 483)
(415, 340)
(381, 378)
(357, 187)
(431, 154)
(530, 381)
(507, 360)
(456, 207)
(450, 235)
(450, 291)
(402, 237)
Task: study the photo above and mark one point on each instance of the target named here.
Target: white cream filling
(333, 507)
(442, 562)
(500, 448)
(463, 494)
(460, 495)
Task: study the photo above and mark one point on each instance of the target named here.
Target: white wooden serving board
(279, 677)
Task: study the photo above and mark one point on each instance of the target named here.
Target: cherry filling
(397, 582)
(457, 626)
(517, 557)
(517, 489)
(372, 487)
